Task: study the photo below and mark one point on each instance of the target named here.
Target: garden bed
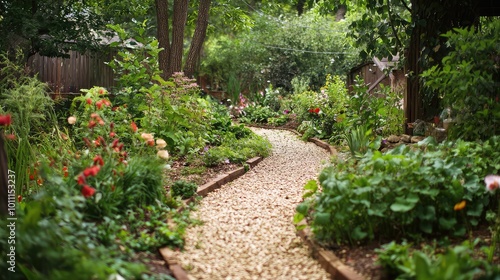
(363, 258)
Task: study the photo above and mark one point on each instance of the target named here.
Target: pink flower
(492, 182)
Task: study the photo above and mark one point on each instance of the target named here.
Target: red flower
(112, 135)
(39, 181)
(10, 137)
(96, 142)
(81, 180)
(151, 142)
(89, 101)
(101, 91)
(98, 160)
(87, 191)
(133, 126)
(115, 143)
(114, 108)
(112, 126)
(101, 122)
(99, 104)
(5, 120)
(65, 170)
(19, 198)
(316, 110)
(91, 171)
(92, 124)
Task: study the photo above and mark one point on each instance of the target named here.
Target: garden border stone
(168, 254)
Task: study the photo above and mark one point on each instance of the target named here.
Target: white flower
(147, 136)
(492, 182)
(160, 143)
(163, 154)
(72, 120)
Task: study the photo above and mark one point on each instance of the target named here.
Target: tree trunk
(198, 38)
(178, 23)
(300, 7)
(162, 35)
(341, 11)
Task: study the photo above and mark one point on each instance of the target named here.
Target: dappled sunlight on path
(248, 231)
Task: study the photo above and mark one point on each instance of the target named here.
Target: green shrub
(458, 262)
(404, 192)
(183, 189)
(237, 150)
(257, 114)
(468, 81)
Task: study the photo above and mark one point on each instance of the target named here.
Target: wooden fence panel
(70, 75)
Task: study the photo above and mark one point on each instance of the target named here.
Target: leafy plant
(468, 79)
(257, 114)
(358, 140)
(457, 262)
(403, 192)
(183, 189)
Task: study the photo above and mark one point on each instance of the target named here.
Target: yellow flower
(459, 206)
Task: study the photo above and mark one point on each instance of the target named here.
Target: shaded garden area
(95, 181)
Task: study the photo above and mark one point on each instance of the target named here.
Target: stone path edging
(168, 254)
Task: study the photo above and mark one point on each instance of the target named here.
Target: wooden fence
(70, 75)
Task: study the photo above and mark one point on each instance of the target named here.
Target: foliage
(467, 81)
(136, 66)
(52, 224)
(457, 262)
(49, 27)
(237, 150)
(257, 114)
(358, 140)
(26, 99)
(183, 189)
(379, 28)
(380, 111)
(276, 50)
(403, 192)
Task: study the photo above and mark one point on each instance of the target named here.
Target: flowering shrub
(404, 192)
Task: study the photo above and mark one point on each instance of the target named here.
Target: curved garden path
(247, 230)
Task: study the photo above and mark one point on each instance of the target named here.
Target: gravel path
(248, 231)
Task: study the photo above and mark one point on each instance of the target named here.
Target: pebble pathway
(247, 230)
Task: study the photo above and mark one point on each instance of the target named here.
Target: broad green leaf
(405, 204)
(311, 186)
(358, 233)
(447, 223)
(302, 208)
(322, 219)
(297, 218)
